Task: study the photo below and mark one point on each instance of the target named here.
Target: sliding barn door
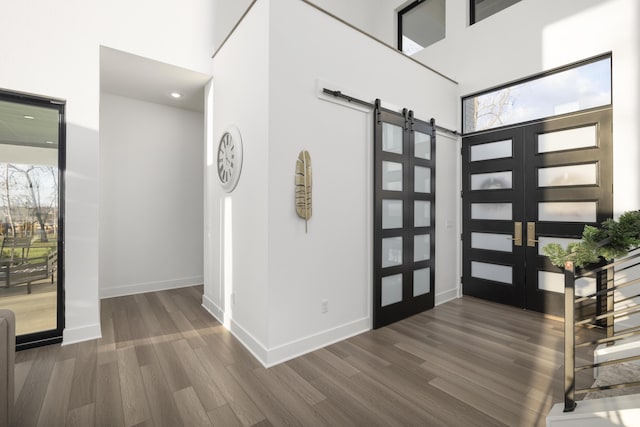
(404, 226)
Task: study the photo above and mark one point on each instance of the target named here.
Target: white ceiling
(121, 74)
(141, 78)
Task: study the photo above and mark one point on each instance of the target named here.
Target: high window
(420, 24)
(567, 90)
(481, 9)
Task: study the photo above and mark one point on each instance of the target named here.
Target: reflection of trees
(29, 191)
(489, 108)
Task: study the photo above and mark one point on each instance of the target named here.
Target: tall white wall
(333, 261)
(172, 31)
(377, 18)
(62, 61)
(267, 82)
(225, 16)
(236, 224)
(151, 174)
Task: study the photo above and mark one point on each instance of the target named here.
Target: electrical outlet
(233, 298)
(324, 306)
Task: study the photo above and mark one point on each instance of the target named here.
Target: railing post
(610, 304)
(569, 338)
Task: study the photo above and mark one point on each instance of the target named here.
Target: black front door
(523, 188)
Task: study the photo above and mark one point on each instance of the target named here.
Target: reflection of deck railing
(19, 266)
(604, 316)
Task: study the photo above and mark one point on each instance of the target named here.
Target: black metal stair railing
(604, 317)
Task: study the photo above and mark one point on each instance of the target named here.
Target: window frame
(49, 336)
(400, 15)
(566, 67)
(472, 12)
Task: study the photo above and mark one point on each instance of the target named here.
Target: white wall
(236, 224)
(267, 82)
(225, 16)
(171, 31)
(333, 260)
(151, 221)
(533, 36)
(61, 64)
(375, 17)
(62, 61)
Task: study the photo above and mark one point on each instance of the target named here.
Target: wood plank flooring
(164, 361)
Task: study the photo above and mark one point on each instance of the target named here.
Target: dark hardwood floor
(164, 361)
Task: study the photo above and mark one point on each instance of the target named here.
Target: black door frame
(525, 162)
(51, 336)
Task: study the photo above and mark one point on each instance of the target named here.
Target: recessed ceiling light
(175, 95)
(29, 117)
(49, 142)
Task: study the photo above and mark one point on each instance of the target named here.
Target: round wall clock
(229, 159)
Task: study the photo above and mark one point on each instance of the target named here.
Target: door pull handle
(517, 234)
(531, 234)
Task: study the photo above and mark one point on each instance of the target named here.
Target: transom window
(570, 89)
(481, 9)
(420, 24)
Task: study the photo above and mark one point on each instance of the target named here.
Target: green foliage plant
(613, 239)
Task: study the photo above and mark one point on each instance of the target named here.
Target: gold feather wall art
(303, 187)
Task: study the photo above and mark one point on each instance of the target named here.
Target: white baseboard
(296, 348)
(141, 288)
(83, 333)
(213, 309)
(255, 347)
(272, 356)
(252, 344)
(447, 296)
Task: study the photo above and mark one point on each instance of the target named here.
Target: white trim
(269, 357)
(296, 348)
(255, 347)
(252, 344)
(213, 309)
(141, 288)
(83, 333)
(447, 296)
